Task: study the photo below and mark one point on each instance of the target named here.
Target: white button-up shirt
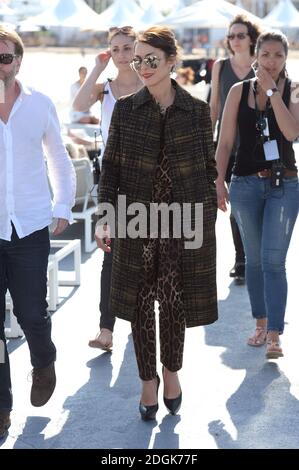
(31, 133)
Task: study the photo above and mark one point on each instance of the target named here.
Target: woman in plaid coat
(160, 151)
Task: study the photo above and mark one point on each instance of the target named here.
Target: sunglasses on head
(123, 29)
(230, 37)
(7, 58)
(150, 61)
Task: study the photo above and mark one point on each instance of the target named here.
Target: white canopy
(207, 14)
(284, 15)
(64, 13)
(120, 13)
(7, 13)
(150, 16)
(6, 10)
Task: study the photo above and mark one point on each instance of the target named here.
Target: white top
(75, 116)
(25, 198)
(108, 104)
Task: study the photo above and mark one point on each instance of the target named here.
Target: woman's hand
(102, 59)
(222, 195)
(264, 79)
(102, 237)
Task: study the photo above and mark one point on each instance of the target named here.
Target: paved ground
(232, 396)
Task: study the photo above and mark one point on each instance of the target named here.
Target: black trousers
(106, 320)
(23, 271)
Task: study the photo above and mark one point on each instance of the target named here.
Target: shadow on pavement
(262, 409)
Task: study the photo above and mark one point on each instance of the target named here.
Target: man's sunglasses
(150, 61)
(230, 37)
(7, 58)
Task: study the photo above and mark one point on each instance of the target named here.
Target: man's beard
(8, 77)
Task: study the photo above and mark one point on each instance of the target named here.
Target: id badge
(271, 150)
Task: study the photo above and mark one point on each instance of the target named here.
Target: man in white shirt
(29, 128)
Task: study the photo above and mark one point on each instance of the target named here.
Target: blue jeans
(266, 218)
(23, 271)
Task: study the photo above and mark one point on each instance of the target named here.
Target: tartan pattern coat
(128, 168)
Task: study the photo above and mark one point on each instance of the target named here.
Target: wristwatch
(271, 91)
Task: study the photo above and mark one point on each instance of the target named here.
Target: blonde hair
(7, 34)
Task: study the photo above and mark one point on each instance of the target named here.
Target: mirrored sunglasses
(150, 61)
(230, 37)
(7, 58)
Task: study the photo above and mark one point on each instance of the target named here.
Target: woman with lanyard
(121, 51)
(241, 41)
(264, 191)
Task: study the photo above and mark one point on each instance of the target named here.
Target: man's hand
(61, 226)
(102, 237)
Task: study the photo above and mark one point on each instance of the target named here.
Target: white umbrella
(63, 13)
(120, 13)
(284, 15)
(151, 16)
(208, 14)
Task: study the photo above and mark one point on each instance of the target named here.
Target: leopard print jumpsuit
(161, 281)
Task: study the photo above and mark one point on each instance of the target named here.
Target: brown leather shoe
(43, 385)
(4, 422)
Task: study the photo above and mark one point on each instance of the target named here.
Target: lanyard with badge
(270, 146)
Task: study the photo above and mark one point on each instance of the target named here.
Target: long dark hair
(277, 36)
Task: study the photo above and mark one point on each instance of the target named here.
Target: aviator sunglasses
(7, 58)
(150, 61)
(230, 37)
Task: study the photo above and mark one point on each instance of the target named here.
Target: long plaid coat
(128, 168)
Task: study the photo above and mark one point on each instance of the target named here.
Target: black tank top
(250, 156)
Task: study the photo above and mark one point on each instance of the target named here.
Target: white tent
(64, 13)
(150, 16)
(283, 16)
(120, 13)
(207, 14)
(7, 13)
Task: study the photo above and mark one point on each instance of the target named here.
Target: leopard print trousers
(161, 281)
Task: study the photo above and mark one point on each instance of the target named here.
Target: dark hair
(82, 68)
(253, 31)
(124, 30)
(162, 38)
(186, 72)
(7, 34)
(273, 36)
(277, 36)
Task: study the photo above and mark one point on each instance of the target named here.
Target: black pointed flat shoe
(148, 412)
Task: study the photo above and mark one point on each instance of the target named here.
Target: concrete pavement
(232, 396)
